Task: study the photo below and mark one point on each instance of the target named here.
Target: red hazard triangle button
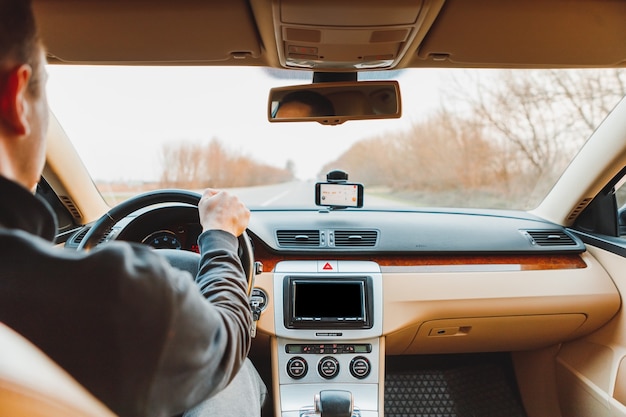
(326, 266)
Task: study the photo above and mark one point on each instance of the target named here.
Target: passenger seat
(32, 385)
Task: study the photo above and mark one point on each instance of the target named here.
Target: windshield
(466, 138)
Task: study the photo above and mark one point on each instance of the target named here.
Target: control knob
(360, 367)
(297, 367)
(328, 367)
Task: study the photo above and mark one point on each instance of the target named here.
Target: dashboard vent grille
(70, 206)
(578, 209)
(105, 235)
(81, 235)
(551, 238)
(298, 237)
(361, 238)
(75, 241)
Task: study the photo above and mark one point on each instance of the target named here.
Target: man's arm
(215, 333)
(208, 336)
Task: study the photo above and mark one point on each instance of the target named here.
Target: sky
(119, 117)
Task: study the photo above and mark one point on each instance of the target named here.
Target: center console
(328, 321)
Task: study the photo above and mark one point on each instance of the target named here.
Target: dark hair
(320, 105)
(19, 41)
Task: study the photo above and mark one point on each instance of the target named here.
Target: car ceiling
(336, 33)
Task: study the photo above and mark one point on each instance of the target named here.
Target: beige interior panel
(614, 333)
(591, 370)
(591, 360)
(397, 342)
(415, 298)
(616, 408)
(381, 372)
(619, 393)
(450, 33)
(482, 311)
(65, 25)
(464, 33)
(265, 281)
(535, 372)
(275, 377)
(341, 12)
(68, 183)
(579, 398)
(492, 334)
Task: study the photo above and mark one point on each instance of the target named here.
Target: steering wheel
(181, 259)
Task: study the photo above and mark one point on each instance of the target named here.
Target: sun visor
(534, 33)
(91, 32)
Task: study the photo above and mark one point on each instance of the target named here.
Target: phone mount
(337, 193)
(337, 176)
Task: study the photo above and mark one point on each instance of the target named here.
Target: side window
(620, 197)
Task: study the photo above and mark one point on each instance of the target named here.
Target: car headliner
(428, 33)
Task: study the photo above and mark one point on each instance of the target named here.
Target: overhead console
(326, 33)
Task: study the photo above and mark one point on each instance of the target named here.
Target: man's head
(23, 102)
(304, 104)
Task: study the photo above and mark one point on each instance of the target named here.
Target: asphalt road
(295, 194)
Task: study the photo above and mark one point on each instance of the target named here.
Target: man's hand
(220, 210)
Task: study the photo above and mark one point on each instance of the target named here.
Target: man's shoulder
(113, 264)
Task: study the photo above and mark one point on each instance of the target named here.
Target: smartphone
(332, 194)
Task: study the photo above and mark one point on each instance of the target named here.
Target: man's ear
(14, 107)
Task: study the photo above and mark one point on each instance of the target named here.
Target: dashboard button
(328, 367)
(360, 367)
(297, 367)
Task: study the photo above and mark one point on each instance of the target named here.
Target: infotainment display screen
(328, 302)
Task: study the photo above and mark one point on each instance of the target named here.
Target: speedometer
(163, 239)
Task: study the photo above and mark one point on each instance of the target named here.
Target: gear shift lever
(334, 403)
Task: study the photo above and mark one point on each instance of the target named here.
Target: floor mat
(481, 385)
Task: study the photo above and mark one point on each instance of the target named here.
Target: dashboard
(341, 290)
(166, 226)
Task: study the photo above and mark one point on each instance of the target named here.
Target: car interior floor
(463, 385)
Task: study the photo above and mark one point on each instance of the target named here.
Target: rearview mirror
(335, 102)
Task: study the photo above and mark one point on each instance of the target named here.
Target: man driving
(143, 337)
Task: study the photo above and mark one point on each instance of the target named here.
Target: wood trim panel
(404, 263)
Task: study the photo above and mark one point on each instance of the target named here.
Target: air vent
(360, 238)
(578, 209)
(550, 238)
(105, 235)
(71, 207)
(298, 237)
(81, 235)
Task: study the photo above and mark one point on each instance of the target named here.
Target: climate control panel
(329, 362)
(328, 367)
